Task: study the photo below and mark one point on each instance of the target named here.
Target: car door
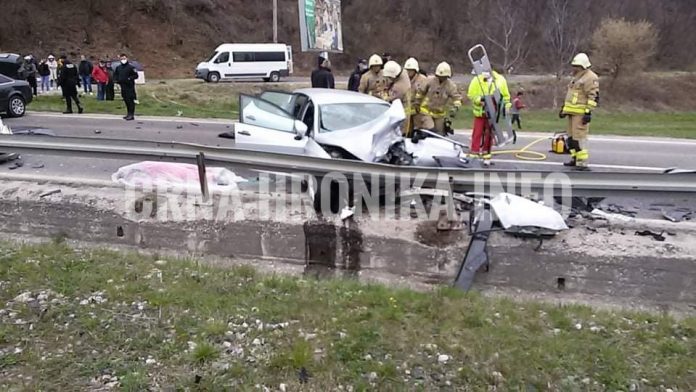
(267, 127)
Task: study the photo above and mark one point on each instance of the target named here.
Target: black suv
(14, 96)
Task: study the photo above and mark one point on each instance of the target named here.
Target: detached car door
(265, 126)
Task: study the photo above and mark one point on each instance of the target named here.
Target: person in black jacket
(45, 74)
(69, 81)
(109, 92)
(85, 69)
(125, 75)
(322, 76)
(354, 79)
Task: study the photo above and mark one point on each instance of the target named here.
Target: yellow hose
(523, 154)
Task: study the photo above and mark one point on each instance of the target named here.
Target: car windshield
(212, 56)
(336, 117)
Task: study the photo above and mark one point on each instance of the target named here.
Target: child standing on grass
(517, 106)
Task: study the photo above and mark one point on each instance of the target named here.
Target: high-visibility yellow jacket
(582, 93)
(479, 87)
(437, 98)
(374, 84)
(417, 85)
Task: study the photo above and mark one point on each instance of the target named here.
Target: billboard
(320, 26)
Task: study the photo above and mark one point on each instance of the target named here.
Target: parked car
(14, 96)
(335, 124)
(9, 65)
(247, 61)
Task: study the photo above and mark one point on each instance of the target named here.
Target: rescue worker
(372, 82)
(581, 99)
(69, 81)
(398, 87)
(418, 82)
(482, 132)
(439, 96)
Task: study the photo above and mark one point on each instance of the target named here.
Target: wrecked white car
(335, 124)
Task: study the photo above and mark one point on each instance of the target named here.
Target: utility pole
(275, 21)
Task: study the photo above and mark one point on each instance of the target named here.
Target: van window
(243, 57)
(212, 57)
(223, 58)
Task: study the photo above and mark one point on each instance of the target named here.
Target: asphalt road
(607, 153)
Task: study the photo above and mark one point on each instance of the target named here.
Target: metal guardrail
(461, 180)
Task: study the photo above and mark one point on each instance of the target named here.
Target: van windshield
(212, 56)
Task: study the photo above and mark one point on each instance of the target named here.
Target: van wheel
(275, 77)
(214, 77)
(16, 107)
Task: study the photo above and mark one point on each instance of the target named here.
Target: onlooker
(125, 75)
(101, 76)
(354, 79)
(53, 69)
(45, 74)
(85, 69)
(109, 92)
(517, 105)
(69, 81)
(322, 76)
(27, 71)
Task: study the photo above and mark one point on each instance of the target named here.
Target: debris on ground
(8, 156)
(477, 252)
(518, 212)
(678, 215)
(16, 164)
(648, 233)
(49, 193)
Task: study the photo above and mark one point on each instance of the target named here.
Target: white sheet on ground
(516, 211)
(150, 174)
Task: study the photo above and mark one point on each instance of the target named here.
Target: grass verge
(84, 320)
(197, 99)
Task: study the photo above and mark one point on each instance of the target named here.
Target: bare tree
(504, 28)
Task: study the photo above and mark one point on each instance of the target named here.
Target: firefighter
(581, 99)
(372, 82)
(398, 87)
(482, 133)
(418, 82)
(439, 96)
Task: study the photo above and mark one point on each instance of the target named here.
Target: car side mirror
(300, 130)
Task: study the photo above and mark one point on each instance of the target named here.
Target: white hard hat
(412, 64)
(443, 69)
(392, 69)
(581, 60)
(375, 60)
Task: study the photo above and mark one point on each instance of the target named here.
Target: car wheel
(275, 77)
(214, 77)
(16, 107)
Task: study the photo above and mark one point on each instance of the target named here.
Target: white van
(247, 61)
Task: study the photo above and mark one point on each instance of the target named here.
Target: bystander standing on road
(322, 76)
(69, 81)
(517, 106)
(354, 79)
(53, 71)
(45, 75)
(125, 75)
(86, 69)
(101, 76)
(28, 71)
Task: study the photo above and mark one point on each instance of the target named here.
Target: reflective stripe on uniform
(582, 155)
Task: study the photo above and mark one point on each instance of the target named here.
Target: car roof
(325, 96)
(10, 56)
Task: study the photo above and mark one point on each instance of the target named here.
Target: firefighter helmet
(375, 60)
(443, 69)
(412, 64)
(581, 60)
(392, 69)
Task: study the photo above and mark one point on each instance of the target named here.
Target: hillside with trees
(171, 36)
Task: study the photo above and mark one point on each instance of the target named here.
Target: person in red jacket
(101, 75)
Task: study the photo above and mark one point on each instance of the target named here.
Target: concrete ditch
(598, 261)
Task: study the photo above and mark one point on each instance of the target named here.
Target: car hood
(381, 133)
